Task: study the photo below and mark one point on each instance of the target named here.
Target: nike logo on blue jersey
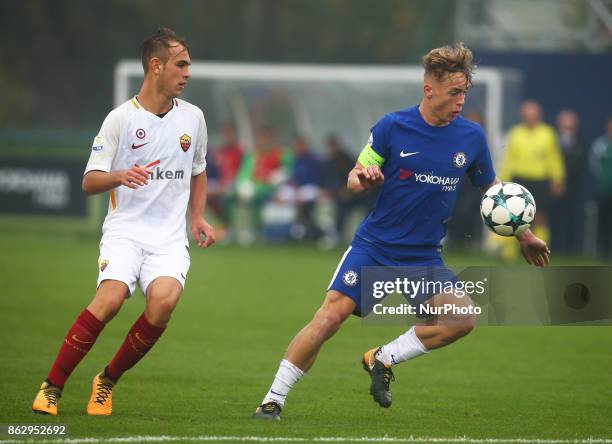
(403, 154)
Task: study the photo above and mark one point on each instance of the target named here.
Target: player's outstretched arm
(202, 231)
(363, 178)
(534, 250)
(95, 182)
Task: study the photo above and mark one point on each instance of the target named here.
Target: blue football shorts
(361, 262)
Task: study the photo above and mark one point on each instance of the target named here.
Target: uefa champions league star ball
(507, 208)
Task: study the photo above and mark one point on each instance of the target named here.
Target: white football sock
(286, 377)
(403, 348)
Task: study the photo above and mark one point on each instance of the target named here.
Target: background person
(338, 164)
(568, 210)
(533, 159)
(303, 189)
(224, 163)
(601, 167)
(261, 172)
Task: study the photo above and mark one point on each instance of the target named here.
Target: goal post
(319, 100)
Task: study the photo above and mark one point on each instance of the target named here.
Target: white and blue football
(507, 208)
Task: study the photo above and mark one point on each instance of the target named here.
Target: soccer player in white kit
(150, 157)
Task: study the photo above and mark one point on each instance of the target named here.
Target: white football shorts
(125, 261)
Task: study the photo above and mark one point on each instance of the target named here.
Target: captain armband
(369, 157)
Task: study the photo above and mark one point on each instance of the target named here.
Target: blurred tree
(58, 56)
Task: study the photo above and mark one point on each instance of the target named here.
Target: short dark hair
(157, 46)
(440, 62)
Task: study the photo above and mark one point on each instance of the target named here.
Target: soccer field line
(367, 439)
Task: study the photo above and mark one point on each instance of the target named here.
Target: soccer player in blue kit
(418, 156)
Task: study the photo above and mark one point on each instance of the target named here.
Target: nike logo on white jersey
(403, 154)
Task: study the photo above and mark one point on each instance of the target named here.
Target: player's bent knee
(163, 304)
(460, 327)
(466, 326)
(162, 299)
(339, 304)
(457, 325)
(333, 312)
(108, 300)
(329, 321)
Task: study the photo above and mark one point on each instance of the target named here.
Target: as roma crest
(103, 264)
(185, 142)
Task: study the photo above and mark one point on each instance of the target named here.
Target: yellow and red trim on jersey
(113, 199)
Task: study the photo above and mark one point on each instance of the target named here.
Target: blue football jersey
(423, 166)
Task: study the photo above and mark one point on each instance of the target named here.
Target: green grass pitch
(239, 311)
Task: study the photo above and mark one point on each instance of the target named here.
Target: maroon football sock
(79, 340)
(140, 339)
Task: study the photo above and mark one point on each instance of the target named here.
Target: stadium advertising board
(50, 187)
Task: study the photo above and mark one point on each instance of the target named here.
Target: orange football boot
(45, 402)
(101, 399)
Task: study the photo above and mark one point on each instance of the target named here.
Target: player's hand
(369, 176)
(135, 177)
(203, 232)
(534, 250)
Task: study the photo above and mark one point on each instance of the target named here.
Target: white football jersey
(173, 148)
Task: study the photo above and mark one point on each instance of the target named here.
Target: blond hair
(440, 62)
